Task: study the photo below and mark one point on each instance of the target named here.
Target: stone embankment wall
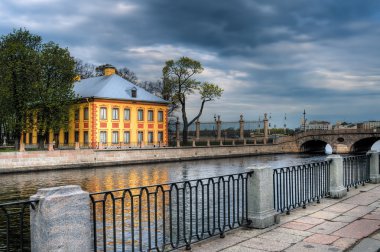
(65, 159)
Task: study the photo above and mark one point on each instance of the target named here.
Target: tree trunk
(41, 140)
(185, 124)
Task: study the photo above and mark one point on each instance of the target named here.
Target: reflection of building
(369, 125)
(112, 110)
(315, 125)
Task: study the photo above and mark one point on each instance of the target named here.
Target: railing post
(261, 212)
(61, 220)
(337, 189)
(374, 172)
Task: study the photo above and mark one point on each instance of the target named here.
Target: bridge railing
(296, 186)
(356, 170)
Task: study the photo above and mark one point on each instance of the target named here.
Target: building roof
(113, 87)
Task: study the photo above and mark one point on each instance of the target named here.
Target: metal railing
(15, 225)
(168, 216)
(296, 186)
(355, 170)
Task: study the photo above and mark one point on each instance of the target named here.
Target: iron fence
(15, 225)
(296, 186)
(168, 216)
(355, 170)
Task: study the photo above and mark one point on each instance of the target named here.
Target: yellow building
(114, 112)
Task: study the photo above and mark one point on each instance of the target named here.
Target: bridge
(341, 141)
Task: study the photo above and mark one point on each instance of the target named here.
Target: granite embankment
(65, 159)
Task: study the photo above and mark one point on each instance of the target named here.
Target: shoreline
(25, 162)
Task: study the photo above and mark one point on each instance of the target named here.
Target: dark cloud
(269, 56)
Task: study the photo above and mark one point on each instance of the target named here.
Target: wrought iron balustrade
(355, 170)
(296, 186)
(168, 216)
(15, 225)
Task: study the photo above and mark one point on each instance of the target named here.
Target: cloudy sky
(269, 56)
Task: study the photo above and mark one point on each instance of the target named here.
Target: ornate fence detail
(355, 170)
(168, 216)
(296, 186)
(15, 225)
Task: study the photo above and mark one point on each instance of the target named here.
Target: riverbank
(31, 161)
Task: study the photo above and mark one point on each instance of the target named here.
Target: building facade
(113, 112)
(369, 125)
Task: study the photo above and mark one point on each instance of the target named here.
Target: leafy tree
(19, 66)
(55, 92)
(179, 83)
(36, 80)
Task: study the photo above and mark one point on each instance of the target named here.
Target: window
(103, 137)
(76, 115)
(85, 114)
(160, 136)
(140, 115)
(160, 116)
(134, 92)
(30, 138)
(115, 114)
(150, 137)
(140, 136)
(85, 137)
(126, 137)
(66, 137)
(115, 137)
(103, 113)
(127, 114)
(150, 115)
(76, 136)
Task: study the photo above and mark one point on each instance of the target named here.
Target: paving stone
(312, 247)
(367, 245)
(359, 229)
(310, 220)
(376, 236)
(340, 207)
(293, 231)
(359, 211)
(327, 227)
(344, 243)
(246, 232)
(325, 215)
(216, 244)
(274, 235)
(265, 244)
(321, 239)
(297, 225)
(372, 216)
(345, 218)
(241, 249)
(375, 204)
(363, 199)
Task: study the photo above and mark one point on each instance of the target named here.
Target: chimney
(109, 70)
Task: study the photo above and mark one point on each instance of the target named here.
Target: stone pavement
(348, 224)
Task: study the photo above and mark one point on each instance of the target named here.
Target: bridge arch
(313, 146)
(364, 144)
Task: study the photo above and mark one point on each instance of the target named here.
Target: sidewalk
(348, 224)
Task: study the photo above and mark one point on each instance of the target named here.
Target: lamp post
(304, 120)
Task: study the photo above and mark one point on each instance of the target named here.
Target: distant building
(344, 125)
(315, 125)
(369, 125)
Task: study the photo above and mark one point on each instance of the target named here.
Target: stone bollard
(208, 143)
(233, 142)
(178, 143)
(50, 147)
(337, 189)
(76, 147)
(245, 142)
(261, 212)
(221, 143)
(374, 172)
(194, 143)
(61, 220)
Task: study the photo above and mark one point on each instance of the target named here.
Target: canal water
(22, 185)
